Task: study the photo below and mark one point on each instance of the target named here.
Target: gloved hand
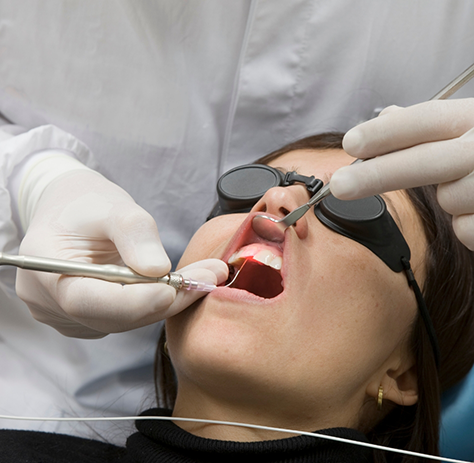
(82, 216)
(424, 144)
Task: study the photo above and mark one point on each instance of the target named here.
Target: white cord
(243, 425)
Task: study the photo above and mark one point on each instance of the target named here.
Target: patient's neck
(194, 403)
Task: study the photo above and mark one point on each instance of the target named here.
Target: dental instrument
(109, 272)
(274, 230)
(455, 84)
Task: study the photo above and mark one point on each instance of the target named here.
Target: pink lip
(246, 235)
(239, 295)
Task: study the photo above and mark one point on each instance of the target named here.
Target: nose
(280, 201)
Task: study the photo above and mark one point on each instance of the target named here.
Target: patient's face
(340, 317)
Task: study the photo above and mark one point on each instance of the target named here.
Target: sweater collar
(164, 437)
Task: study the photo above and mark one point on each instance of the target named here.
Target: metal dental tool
(455, 84)
(274, 230)
(112, 273)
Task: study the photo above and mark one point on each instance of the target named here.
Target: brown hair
(449, 294)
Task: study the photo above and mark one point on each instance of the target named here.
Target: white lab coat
(167, 95)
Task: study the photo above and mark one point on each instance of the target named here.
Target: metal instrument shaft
(108, 272)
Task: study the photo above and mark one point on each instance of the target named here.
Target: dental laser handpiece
(109, 272)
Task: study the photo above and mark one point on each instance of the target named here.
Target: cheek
(350, 327)
(353, 297)
(211, 239)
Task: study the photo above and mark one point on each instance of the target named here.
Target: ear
(399, 386)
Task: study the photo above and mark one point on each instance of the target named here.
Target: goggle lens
(368, 222)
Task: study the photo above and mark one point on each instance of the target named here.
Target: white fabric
(17, 180)
(36, 174)
(170, 94)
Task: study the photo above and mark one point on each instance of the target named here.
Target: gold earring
(379, 398)
(165, 349)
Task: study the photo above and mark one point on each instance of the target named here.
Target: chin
(214, 350)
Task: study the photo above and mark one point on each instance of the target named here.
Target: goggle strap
(423, 310)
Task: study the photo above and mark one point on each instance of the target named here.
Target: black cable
(423, 310)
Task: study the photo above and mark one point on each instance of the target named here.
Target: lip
(246, 235)
(240, 295)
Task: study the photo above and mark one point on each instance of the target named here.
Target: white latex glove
(82, 216)
(429, 143)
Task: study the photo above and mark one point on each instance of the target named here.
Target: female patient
(321, 332)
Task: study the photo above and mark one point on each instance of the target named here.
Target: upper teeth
(265, 255)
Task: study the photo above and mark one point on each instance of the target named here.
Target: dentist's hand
(429, 143)
(82, 216)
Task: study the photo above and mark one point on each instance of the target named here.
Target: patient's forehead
(320, 163)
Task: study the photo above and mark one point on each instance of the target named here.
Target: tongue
(259, 279)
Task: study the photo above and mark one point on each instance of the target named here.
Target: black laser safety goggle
(366, 220)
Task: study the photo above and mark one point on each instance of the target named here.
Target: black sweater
(164, 442)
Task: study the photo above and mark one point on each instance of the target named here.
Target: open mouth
(260, 270)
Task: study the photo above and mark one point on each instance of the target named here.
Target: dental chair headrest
(457, 420)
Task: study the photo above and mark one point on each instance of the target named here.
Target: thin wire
(242, 425)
